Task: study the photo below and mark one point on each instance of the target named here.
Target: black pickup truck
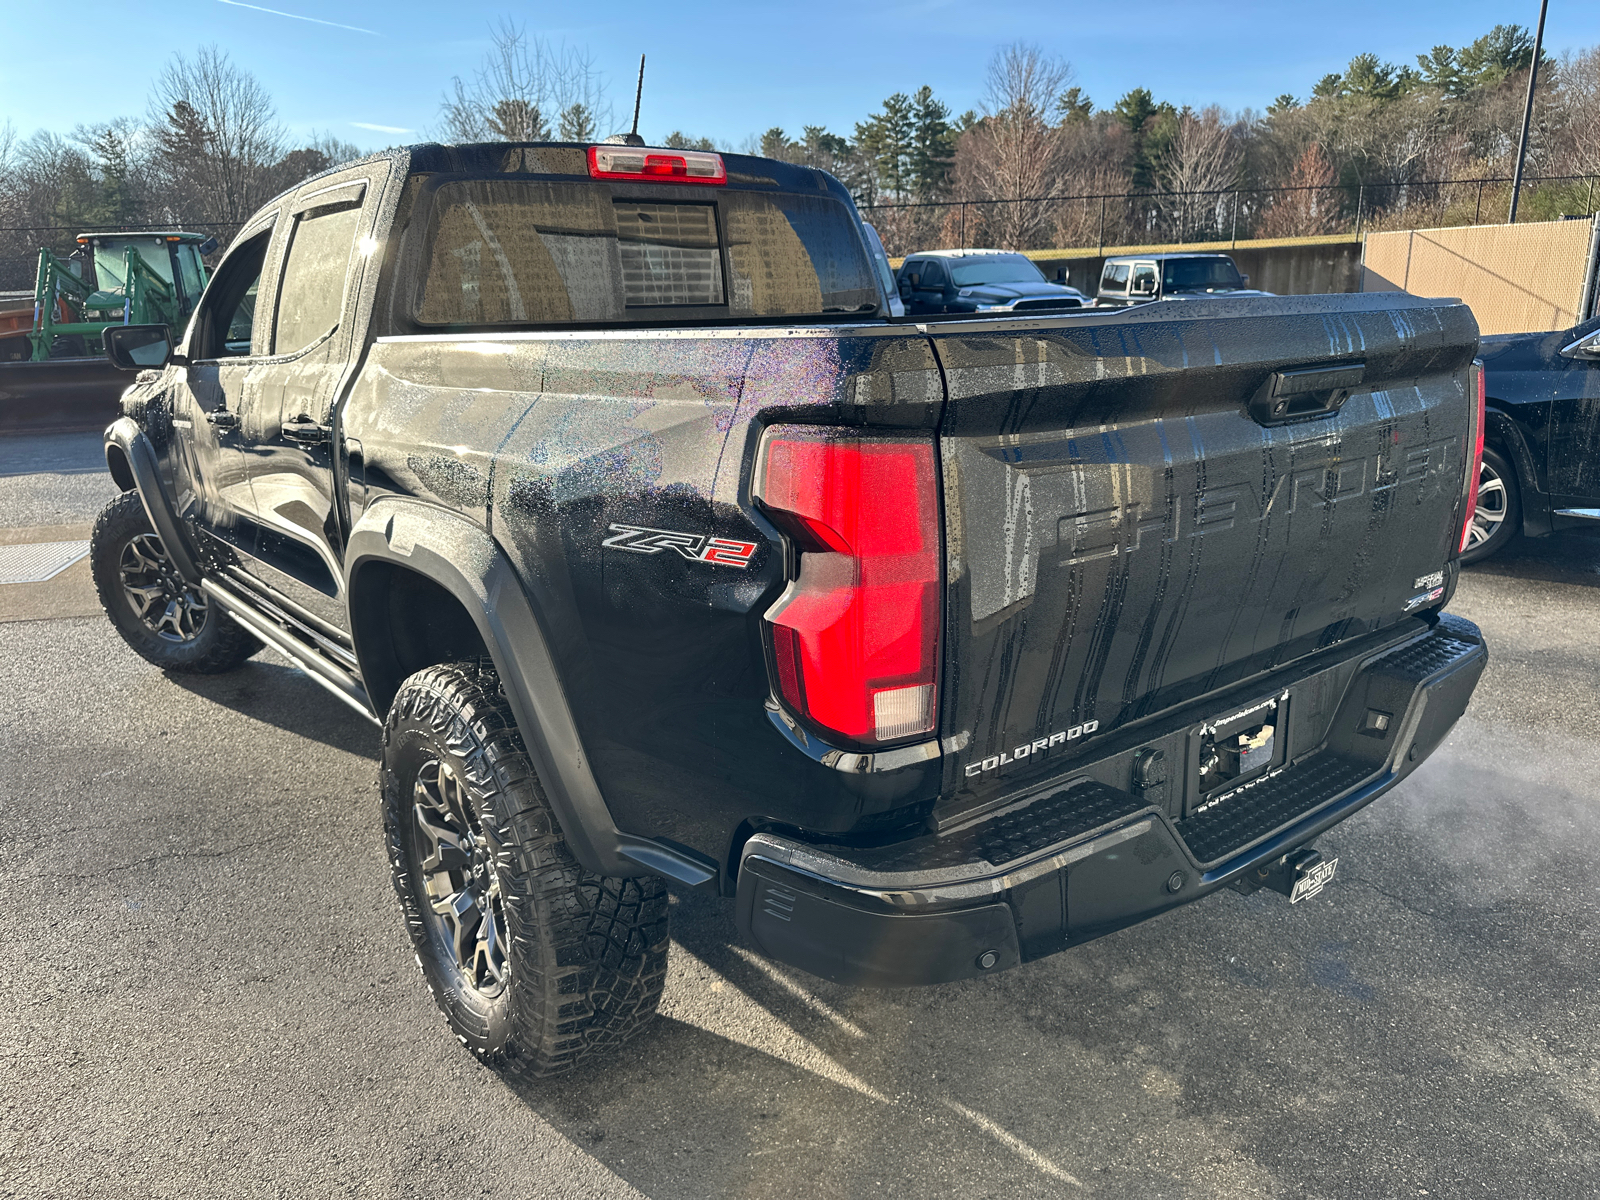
(605, 481)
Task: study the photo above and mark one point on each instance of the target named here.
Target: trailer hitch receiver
(1299, 875)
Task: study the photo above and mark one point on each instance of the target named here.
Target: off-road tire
(586, 956)
(1499, 493)
(218, 642)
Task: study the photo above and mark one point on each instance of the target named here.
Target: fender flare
(1502, 427)
(460, 556)
(132, 459)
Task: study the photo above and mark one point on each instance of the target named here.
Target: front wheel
(164, 617)
(1497, 517)
(535, 962)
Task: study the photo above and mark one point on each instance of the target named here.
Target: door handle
(223, 419)
(305, 432)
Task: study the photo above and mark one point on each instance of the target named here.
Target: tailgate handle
(1305, 393)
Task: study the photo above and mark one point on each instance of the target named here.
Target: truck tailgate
(1123, 534)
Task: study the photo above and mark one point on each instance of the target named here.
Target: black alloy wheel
(163, 616)
(1497, 517)
(168, 606)
(455, 862)
(535, 962)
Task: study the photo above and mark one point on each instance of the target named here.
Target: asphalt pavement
(205, 988)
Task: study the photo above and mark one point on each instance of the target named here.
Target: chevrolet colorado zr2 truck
(605, 480)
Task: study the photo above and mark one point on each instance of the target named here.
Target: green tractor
(139, 279)
(52, 372)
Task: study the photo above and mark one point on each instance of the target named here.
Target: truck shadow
(759, 1080)
(1571, 556)
(282, 696)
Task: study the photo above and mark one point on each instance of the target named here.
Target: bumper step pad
(1013, 833)
(1258, 811)
(1217, 833)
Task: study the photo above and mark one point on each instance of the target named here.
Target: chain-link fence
(1095, 221)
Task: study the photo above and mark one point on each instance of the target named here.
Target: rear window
(501, 252)
(1115, 278)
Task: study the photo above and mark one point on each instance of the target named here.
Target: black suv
(981, 281)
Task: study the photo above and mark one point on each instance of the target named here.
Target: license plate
(1314, 880)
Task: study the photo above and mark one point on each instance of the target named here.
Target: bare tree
(1200, 165)
(524, 85)
(217, 136)
(1310, 209)
(1094, 163)
(8, 146)
(1013, 154)
(1580, 98)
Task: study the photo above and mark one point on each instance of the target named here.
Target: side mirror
(1585, 347)
(206, 247)
(138, 347)
(1244, 278)
(1061, 275)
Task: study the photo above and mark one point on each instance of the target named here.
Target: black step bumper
(1083, 858)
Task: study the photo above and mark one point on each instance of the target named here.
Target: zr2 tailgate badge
(696, 547)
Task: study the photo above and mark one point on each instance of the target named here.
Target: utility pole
(1527, 113)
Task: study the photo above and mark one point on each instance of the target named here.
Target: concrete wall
(1517, 278)
(1285, 266)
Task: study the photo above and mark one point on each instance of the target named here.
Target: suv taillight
(1474, 436)
(855, 638)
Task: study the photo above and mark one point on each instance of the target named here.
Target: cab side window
(311, 295)
(1144, 280)
(1115, 278)
(227, 317)
(933, 275)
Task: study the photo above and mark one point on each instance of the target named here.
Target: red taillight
(1476, 434)
(855, 637)
(656, 166)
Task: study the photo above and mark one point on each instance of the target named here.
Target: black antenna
(632, 138)
(638, 97)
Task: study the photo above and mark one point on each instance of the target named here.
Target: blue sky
(721, 70)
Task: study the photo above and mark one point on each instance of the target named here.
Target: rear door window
(497, 252)
(311, 295)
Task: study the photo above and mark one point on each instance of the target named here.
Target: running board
(341, 683)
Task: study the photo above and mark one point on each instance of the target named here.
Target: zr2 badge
(696, 547)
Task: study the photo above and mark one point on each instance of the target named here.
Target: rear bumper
(1083, 858)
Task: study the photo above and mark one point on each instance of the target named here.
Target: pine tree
(932, 145)
(775, 144)
(577, 123)
(678, 140)
(1074, 107)
(117, 205)
(518, 121)
(886, 141)
(1151, 127)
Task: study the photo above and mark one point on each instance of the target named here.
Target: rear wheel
(1497, 517)
(164, 617)
(535, 962)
